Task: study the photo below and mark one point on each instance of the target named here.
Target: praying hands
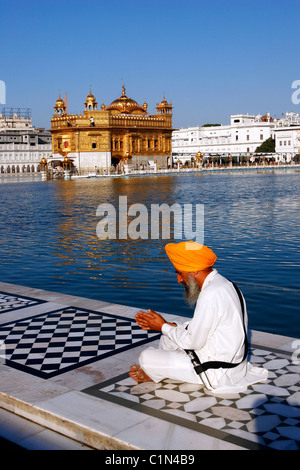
(151, 320)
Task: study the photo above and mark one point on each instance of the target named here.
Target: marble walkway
(64, 364)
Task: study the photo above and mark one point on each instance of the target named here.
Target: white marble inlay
(216, 423)
(286, 380)
(172, 395)
(200, 404)
(294, 400)
(145, 387)
(290, 432)
(263, 423)
(271, 390)
(230, 413)
(282, 410)
(276, 364)
(251, 401)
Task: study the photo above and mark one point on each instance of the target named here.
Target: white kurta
(215, 333)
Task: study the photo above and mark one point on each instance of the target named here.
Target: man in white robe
(204, 349)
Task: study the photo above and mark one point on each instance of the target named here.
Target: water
(49, 240)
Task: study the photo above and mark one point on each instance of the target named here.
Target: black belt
(199, 368)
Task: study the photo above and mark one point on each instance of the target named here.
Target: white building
(287, 137)
(244, 134)
(22, 146)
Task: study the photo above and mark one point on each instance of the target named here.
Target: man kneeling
(211, 349)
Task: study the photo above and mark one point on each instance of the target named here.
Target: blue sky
(211, 58)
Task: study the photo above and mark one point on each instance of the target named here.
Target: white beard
(191, 291)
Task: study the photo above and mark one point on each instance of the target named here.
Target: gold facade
(123, 130)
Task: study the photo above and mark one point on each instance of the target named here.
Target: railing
(139, 121)
(20, 112)
(182, 170)
(61, 121)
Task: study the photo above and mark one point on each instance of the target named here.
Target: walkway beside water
(184, 170)
(64, 364)
(102, 173)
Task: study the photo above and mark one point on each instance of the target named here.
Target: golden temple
(122, 133)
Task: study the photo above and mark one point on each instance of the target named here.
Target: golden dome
(90, 102)
(164, 101)
(90, 97)
(59, 103)
(125, 105)
(60, 106)
(164, 107)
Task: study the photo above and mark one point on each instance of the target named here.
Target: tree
(268, 146)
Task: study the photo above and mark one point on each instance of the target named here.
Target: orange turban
(190, 256)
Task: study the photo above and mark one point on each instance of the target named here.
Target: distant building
(244, 134)
(22, 146)
(287, 137)
(122, 133)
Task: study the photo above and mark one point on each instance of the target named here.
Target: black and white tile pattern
(10, 302)
(55, 342)
(265, 416)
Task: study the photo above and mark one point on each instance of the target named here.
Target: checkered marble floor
(9, 302)
(265, 416)
(55, 342)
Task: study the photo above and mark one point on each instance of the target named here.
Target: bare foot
(137, 373)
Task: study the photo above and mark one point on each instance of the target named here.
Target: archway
(115, 161)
